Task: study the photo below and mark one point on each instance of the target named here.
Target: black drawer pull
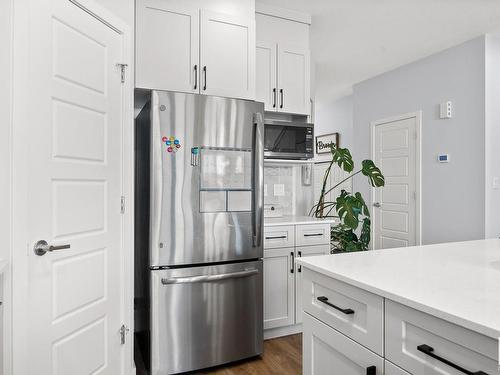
(429, 350)
(372, 370)
(313, 234)
(299, 268)
(325, 301)
(275, 238)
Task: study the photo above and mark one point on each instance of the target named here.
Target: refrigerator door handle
(258, 178)
(209, 278)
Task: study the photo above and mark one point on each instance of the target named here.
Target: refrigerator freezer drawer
(205, 316)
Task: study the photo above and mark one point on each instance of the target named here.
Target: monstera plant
(349, 207)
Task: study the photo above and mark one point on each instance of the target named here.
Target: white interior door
(75, 182)
(227, 55)
(294, 79)
(167, 46)
(395, 206)
(265, 86)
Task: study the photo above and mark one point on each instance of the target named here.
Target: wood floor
(281, 356)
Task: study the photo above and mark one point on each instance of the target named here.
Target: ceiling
(352, 40)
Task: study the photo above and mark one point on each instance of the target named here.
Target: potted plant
(349, 207)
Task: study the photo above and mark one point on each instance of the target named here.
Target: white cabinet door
(327, 351)
(265, 73)
(391, 369)
(300, 253)
(293, 80)
(167, 45)
(227, 55)
(279, 271)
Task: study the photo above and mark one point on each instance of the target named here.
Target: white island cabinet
(429, 310)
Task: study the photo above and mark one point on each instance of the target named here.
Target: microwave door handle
(258, 178)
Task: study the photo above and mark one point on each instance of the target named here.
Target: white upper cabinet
(293, 79)
(167, 46)
(265, 86)
(180, 47)
(227, 55)
(283, 65)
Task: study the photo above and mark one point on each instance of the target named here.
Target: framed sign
(324, 142)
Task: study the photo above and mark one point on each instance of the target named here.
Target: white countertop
(458, 282)
(294, 220)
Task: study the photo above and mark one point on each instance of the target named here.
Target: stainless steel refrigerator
(205, 194)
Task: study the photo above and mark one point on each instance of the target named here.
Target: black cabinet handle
(275, 238)
(372, 370)
(313, 234)
(429, 350)
(205, 78)
(299, 268)
(195, 77)
(292, 266)
(274, 97)
(325, 301)
(281, 95)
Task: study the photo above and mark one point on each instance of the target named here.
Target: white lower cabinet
(279, 288)
(301, 252)
(392, 369)
(327, 351)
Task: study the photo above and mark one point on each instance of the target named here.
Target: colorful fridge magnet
(172, 143)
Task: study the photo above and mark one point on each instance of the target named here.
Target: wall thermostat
(443, 158)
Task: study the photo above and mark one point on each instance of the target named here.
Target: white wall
(453, 195)
(492, 131)
(335, 116)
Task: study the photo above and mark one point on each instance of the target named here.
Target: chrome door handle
(41, 247)
(376, 204)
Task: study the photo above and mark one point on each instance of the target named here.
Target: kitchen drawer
(355, 312)
(327, 351)
(392, 369)
(412, 337)
(279, 236)
(312, 234)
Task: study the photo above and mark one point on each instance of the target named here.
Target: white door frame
(16, 344)
(418, 169)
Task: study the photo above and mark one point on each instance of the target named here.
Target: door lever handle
(41, 247)
(376, 204)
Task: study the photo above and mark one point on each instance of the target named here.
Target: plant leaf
(348, 208)
(373, 173)
(343, 158)
(364, 237)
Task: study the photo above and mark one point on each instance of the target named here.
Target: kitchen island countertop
(296, 220)
(458, 282)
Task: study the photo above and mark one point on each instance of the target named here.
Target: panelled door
(227, 58)
(293, 79)
(395, 152)
(167, 46)
(75, 184)
(265, 87)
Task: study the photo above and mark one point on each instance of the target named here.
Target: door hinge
(123, 333)
(122, 71)
(415, 135)
(122, 204)
(415, 195)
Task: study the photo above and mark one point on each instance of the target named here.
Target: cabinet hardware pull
(274, 97)
(429, 350)
(313, 234)
(281, 95)
(205, 78)
(275, 237)
(372, 370)
(299, 268)
(209, 278)
(292, 266)
(325, 301)
(195, 77)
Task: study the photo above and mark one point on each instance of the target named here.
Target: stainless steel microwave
(288, 140)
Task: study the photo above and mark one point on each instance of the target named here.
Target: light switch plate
(279, 190)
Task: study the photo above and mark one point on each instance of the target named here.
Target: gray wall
(334, 116)
(453, 195)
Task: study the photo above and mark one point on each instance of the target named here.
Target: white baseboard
(282, 331)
